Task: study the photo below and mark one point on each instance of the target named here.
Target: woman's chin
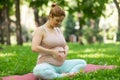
(56, 25)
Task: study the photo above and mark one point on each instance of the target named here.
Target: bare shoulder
(38, 30)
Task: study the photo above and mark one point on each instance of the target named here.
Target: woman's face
(56, 21)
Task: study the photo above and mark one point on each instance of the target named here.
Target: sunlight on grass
(96, 55)
(7, 55)
(88, 50)
(91, 53)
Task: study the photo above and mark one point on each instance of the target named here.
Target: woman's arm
(36, 45)
(36, 42)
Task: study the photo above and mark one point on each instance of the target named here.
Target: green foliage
(62, 3)
(37, 3)
(88, 8)
(20, 60)
(8, 3)
(91, 8)
(91, 33)
(69, 27)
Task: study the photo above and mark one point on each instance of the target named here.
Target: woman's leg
(46, 71)
(74, 65)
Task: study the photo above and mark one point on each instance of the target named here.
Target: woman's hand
(56, 54)
(63, 56)
(66, 48)
(59, 55)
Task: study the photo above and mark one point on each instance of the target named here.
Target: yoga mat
(30, 76)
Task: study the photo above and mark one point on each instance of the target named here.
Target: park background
(91, 28)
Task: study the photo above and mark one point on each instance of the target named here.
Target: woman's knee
(83, 62)
(47, 74)
(43, 71)
(38, 70)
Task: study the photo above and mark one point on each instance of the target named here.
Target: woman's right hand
(59, 53)
(56, 55)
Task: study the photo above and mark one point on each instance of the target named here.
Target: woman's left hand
(62, 55)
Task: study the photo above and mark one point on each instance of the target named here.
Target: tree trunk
(1, 26)
(80, 33)
(7, 24)
(118, 8)
(36, 16)
(18, 25)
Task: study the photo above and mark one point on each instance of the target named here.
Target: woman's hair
(56, 11)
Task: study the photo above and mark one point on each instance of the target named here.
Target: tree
(1, 26)
(18, 25)
(36, 5)
(5, 22)
(70, 27)
(87, 9)
(117, 3)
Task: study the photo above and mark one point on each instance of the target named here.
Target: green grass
(20, 60)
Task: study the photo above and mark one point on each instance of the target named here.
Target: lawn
(20, 60)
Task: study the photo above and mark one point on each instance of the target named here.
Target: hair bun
(53, 5)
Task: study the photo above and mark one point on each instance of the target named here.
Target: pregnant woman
(48, 41)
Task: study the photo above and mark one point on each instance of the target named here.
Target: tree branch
(12, 21)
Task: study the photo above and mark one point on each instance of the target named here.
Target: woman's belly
(50, 59)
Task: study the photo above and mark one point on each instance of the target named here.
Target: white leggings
(48, 71)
